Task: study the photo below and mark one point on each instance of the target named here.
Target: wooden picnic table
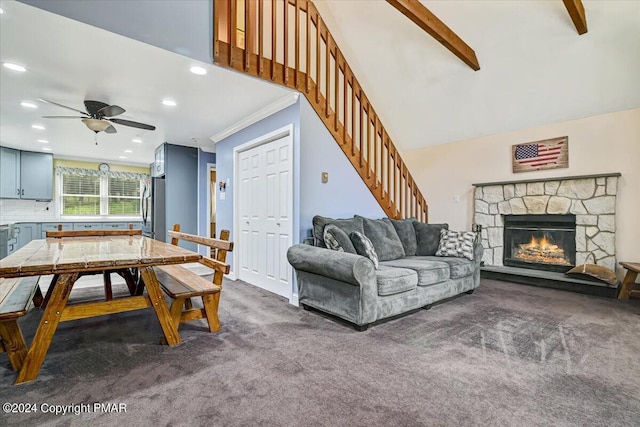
(70, 257)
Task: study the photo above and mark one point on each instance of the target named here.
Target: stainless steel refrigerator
(174, 193)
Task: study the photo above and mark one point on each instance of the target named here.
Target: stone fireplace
(588, 201)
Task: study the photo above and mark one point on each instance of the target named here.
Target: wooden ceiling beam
(422, 17)
(576, 11)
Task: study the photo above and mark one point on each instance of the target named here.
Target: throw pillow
(336, 239)
(407, 234)
(428, 237)
(456, 244)
(384, 238)
(347, 225)
(364, 247)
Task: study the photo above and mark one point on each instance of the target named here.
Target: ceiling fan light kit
(96, 125)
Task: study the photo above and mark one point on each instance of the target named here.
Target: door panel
(264, 213)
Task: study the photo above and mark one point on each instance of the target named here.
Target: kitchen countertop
(58, 221)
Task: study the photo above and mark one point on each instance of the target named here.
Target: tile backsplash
(12, 210)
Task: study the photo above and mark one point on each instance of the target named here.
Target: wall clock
(104, 167)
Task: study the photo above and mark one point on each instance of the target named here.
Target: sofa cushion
(428, 237)
(395, 280)
(364, 247)
(384, 238)
(335, 238)
(429, 272)
(456, 244)
(406, 233)
(458, 267)
(347, 225)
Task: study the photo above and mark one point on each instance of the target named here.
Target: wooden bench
(629, 286)
(15, 296)
(127, 275)
(182, 284)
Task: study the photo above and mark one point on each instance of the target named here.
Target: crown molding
(270, 109)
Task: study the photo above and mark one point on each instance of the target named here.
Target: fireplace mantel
(524, 181)
(592, 198)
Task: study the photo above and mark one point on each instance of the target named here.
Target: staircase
(287, 42)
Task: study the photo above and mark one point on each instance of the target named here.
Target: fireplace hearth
(540, 242)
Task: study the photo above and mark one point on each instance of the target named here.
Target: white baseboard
(294, 300)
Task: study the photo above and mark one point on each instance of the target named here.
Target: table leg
(108, 293)
(160, 306)
(127, 275)
(627, 283)
(47, 328)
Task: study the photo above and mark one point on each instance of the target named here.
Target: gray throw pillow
(335, 238)
(384, 238)
(347, 225)
(407, 234)
(456, 244)
(364, 247)
(428, 237)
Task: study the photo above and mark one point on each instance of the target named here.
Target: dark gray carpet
(508, 355)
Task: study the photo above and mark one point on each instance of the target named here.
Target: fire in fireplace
(543, 242)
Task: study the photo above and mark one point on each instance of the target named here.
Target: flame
(542, 243)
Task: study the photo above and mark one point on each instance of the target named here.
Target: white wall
(598, 144)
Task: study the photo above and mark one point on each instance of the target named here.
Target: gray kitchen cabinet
(26, 232)
(36, 176)
(87, 226)
(53, 226)
(9, 173)
(25, 175)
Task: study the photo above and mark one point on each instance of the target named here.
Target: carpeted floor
(508, 355)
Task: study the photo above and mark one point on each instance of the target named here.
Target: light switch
(456, 199)
(325, 177)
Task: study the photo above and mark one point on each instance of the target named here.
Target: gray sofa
(347, 285)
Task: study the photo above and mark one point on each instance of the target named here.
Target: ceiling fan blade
(110, 129)
(132, 124)
(63, 106)
(63, 117)
(94, 106)
(110, 111)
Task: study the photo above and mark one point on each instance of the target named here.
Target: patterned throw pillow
(364, 247)
(456, 244)
(330, 239)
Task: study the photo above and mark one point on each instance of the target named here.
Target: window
(85, 192)
(124, 196)
(80, 195)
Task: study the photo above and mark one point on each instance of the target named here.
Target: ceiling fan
(98, 116)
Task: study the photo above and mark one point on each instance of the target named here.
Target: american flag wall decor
(538, 155)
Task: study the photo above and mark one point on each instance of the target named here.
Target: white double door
(265, 208)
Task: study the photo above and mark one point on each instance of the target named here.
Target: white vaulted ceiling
(68, 62)
(535, 68)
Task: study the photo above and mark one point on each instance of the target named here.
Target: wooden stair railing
(287, 42)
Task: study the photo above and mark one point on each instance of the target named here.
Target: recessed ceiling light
(1, 11)
(122, 157)
(128, 151)
(169, 102)
(27, 104)
(39, 127)
(44, 141)
(46, 149)
(198, 70)
(14, 67)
